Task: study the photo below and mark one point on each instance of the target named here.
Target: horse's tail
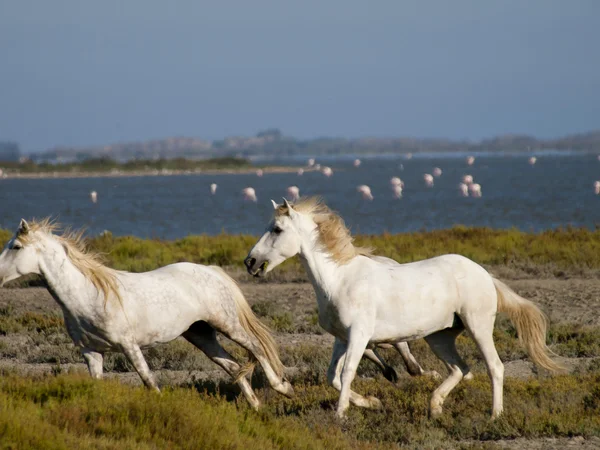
(531, 324)
(254, 327)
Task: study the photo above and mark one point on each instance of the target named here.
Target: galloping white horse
(364, 302)
(109, 310)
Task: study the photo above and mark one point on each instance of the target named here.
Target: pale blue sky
(78, 72)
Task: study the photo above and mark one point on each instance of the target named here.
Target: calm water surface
(556, 191)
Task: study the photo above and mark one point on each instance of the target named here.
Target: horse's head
(282, 239)
(20, 255)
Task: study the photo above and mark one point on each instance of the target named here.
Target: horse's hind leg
(412, 366)
(482, 330)
(388, 371)
(443, 344)
(241, 337)
(203, 336)
(134, 354)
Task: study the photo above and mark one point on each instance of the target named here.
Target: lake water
(556, 191)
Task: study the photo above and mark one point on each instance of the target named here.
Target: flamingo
(532, 160)
(470, 160)
(293, 193)
(94, 196)
(437, 171)
(467, 179)
(213, 188)
(397, 190)
(408, 156)
(395, 181)
(249, 194)
(356, 162)
(464, 189)
(327, 171)
(596, 187)
(365, 191)
(311, 162)
(300, 172)
(259, 173)
(475, 190)
(428, 179)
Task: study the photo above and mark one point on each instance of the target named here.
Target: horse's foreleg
(354, 351)
(388, 371)
(134, 354)
(94, 362)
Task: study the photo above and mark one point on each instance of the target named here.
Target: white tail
(531, 324)
(255, 328)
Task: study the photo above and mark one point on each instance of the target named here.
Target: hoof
(288, 390)
(433, 374)
(375, 403)
(342, 416)
(468, 377)
(495, 415)
(255, 405)
(390, 374)
(436, 412)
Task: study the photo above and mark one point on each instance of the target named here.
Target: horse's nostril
(249, 262)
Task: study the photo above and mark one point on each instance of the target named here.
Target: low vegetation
(573, 250)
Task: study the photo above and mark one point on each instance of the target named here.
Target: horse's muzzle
(250, 264)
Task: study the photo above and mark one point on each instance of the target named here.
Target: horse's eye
(277, 230)
(17, 247)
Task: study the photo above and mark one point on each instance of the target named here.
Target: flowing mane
(334, 236)
(89, 263)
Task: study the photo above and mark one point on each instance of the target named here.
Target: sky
(79, 73)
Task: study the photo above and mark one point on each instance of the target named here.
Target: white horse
(364, 302)
(109, 310)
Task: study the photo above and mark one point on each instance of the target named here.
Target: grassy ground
(58, 407)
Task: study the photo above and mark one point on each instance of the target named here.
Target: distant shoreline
(150, 173)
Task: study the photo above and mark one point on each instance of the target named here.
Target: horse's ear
(290, 210)
(275, 205)
(23, 227)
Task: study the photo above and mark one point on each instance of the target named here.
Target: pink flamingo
(467, 179)
(437, 172)
(259, 173)
(249, 194)
(293, 193)
(475, 190)
(464, 189)
(532, 160)
(597, 187)
(213, 188)
(428, 179)
(397, 190)
(365, 191)
(395, 181)
(470, 160)
(356, 162)
(327, 171)
(300, 172)
(311, 162)
(94, 196)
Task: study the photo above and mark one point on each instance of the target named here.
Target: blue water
(556, 191)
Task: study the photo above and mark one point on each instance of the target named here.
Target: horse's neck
(324, 273)
(69, 287)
